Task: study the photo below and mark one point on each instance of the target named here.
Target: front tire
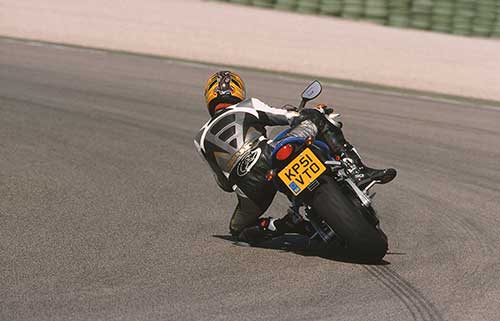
(363, 240)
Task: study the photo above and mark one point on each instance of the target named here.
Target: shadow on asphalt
(300, 245)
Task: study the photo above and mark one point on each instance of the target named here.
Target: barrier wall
(480, 18)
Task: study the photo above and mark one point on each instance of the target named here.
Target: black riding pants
(255, 194)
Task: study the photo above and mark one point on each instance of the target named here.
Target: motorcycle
(321, 188)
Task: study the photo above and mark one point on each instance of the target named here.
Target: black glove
(328, 110)
(314, 114)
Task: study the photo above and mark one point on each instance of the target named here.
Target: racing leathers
(235, 146)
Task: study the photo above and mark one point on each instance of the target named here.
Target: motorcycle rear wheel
(362, 240)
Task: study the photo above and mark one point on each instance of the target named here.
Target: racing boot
(263, 231)
(289, 224)
(269, 228)
(364, 175)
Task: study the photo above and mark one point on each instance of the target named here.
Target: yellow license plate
(302, 171)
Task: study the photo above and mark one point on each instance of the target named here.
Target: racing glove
(314, 114)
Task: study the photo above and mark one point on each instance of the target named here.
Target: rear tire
(362, 240)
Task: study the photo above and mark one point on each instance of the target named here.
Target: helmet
(223, 89)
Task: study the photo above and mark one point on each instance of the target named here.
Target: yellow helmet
(223, 89)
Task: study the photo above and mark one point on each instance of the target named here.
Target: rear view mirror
(312, 91)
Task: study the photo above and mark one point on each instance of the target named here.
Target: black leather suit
(234, 144)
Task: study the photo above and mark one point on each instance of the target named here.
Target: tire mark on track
(473, 239)
(461, 221)
(420, 308)
(475, 244)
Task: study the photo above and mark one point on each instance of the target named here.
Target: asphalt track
(107, 212)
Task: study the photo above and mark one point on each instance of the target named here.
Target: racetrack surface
(107, 212)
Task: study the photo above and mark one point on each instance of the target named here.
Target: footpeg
(367, 188)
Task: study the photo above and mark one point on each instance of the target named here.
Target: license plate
(302, 171)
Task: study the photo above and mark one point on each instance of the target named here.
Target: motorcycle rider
(235, 146)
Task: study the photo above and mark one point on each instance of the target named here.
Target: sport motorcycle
(321, 188)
